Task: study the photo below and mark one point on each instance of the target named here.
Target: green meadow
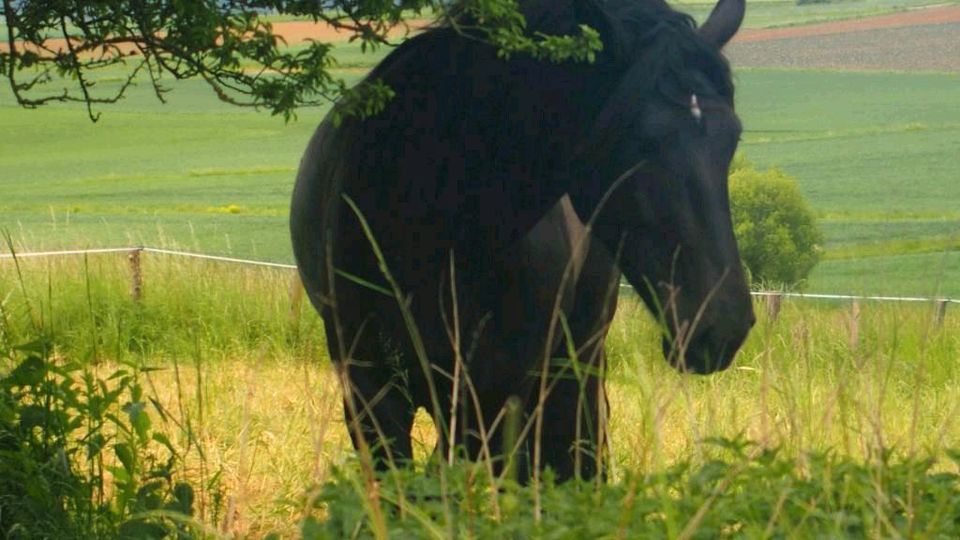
(874, 152)
(875, 155)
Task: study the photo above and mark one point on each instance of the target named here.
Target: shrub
(742, 490)
(775, 228)
(78, 456)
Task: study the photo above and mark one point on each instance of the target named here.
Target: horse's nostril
(708, 352)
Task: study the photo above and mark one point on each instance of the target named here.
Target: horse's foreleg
(573, 440)
(379, 416)
(377, 404)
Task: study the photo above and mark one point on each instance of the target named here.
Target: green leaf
(313, 529)
(39, 346)
(120, 475)
(126, 457)
(141, 424)
(162, 439)
(139, 419)
(141, 530)
(95, 445)
(150, 496)
(33, 416)
(120, 424)
(183, 498)
(159, 407)
(30, 372)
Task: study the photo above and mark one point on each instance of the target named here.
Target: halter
(695, 108)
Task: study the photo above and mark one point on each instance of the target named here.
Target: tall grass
(212, 345)
(821, 377)
(832, 422)
(85, 306)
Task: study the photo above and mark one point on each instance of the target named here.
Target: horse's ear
(723, 22)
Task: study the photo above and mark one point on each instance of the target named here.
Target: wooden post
(855, 325)
(940, 313)
(773, 306)
(136, 275)
(296, 300)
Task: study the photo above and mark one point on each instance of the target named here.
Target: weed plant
(79, 456)
(746, 492)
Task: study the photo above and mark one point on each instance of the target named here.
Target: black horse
(464, 246)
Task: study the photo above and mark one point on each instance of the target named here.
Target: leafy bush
(739, 490)
(78, 455)
(775, 228)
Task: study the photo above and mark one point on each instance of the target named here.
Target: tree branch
(232, 47)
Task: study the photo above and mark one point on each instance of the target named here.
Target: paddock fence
(772, 299)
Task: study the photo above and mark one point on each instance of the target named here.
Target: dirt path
(918, 17)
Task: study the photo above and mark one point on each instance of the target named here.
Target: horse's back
(315, 208)
(455, 163)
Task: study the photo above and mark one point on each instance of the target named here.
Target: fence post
(940, 313)
(773, 306)
(855, 324)
(136, 275)
(296, 300)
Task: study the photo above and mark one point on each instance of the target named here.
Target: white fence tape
(853, 297)
(58, 253)
(25, 255)
(219, 258)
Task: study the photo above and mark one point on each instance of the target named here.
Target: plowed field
(920, 40)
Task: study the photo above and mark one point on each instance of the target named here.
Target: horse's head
(658, 188)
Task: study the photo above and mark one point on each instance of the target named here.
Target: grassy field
(872, 151)
(254, 410)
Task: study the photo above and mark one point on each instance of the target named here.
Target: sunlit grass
(165, 175)
(251, 378)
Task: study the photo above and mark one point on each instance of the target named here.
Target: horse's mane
(650, 34)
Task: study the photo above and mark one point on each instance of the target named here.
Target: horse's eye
(695, 108)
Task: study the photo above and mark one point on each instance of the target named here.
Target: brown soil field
(298, 32)
(921, 40)
(918, 17)
(293, 32)
(942, 44)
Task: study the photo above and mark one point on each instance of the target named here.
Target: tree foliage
(776, 231)
(52, 48)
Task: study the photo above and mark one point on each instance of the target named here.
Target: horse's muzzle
(708, 351)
